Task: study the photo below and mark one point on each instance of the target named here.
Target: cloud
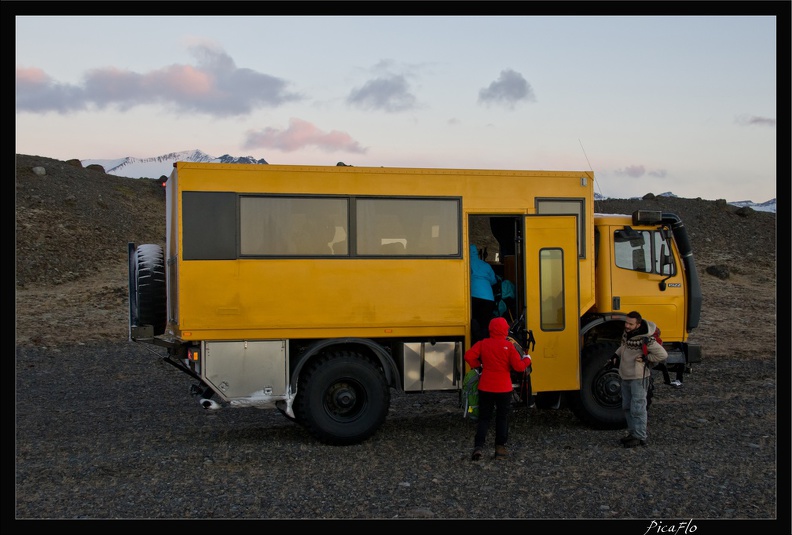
(299, 135)
(632, 171)
(38, 92)
(388, 93)
(751, 120)
(213, 86)
(509, 89)
(637, 171)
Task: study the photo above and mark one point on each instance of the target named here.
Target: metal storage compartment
(242, 369)
(428, 366)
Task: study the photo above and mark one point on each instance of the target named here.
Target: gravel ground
(108, 431)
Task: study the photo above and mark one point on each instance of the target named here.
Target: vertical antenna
(589, 164)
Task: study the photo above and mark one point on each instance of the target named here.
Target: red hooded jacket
(498, 357)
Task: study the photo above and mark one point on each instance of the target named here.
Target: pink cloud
(183, 79)
(214, 86)
(31, 76)
(301, 134)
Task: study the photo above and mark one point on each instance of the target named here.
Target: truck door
(637, 273)
(552, 300)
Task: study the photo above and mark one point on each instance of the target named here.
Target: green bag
(470, 395)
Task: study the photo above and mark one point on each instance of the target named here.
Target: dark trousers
(489, 402)
(483, 312)
(679, 368)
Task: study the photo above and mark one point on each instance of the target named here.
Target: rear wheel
(598, 403)
(150, 296)
(343, 399)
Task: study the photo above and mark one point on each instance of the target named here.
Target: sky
(681, 104)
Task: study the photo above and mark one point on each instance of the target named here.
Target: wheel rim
(607, 388)
(345, 400)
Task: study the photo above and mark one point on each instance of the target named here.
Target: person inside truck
(504, 298)
(482, 279)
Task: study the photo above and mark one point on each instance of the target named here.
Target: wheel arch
(601, 328)
(597, 403)
(597, 321)
(364, 346)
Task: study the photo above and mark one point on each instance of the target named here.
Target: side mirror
(665, 260)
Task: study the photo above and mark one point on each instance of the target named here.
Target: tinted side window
(209, 225)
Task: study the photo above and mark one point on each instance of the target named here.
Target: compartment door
(552, 301)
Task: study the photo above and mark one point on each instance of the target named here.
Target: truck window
(293, 226)
(567, 207)
(662, 247)
(551, 277)
(216, 223)
(641, 251)
(209, 225)
(407, 226)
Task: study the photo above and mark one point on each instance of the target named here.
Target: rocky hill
(73, 221)
(73, 225)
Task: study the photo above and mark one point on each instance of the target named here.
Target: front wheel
(598, 403)
(343, 399)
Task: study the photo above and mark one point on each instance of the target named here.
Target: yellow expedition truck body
(316, 290)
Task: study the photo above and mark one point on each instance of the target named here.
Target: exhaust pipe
(209, 404)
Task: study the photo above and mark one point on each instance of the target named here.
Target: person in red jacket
(497, 357)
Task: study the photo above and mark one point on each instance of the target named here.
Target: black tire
(342, 399)
(598, 403)
(150, 304)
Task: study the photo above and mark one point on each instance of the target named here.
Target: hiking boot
(626, 438)
(476, 454)
(633, 442)
(501, 452)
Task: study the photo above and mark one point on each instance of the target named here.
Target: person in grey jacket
(637, 347)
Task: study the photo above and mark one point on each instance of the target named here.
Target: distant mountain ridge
(767, 206)
(159, 166)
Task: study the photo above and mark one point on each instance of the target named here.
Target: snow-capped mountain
(160, 166)
(767, 206)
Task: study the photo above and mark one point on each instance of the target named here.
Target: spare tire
(150, 305)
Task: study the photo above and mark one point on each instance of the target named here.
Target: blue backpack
(503, 290)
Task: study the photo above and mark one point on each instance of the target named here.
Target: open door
(552, 300)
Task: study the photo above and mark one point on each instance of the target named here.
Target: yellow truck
(315, 290)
